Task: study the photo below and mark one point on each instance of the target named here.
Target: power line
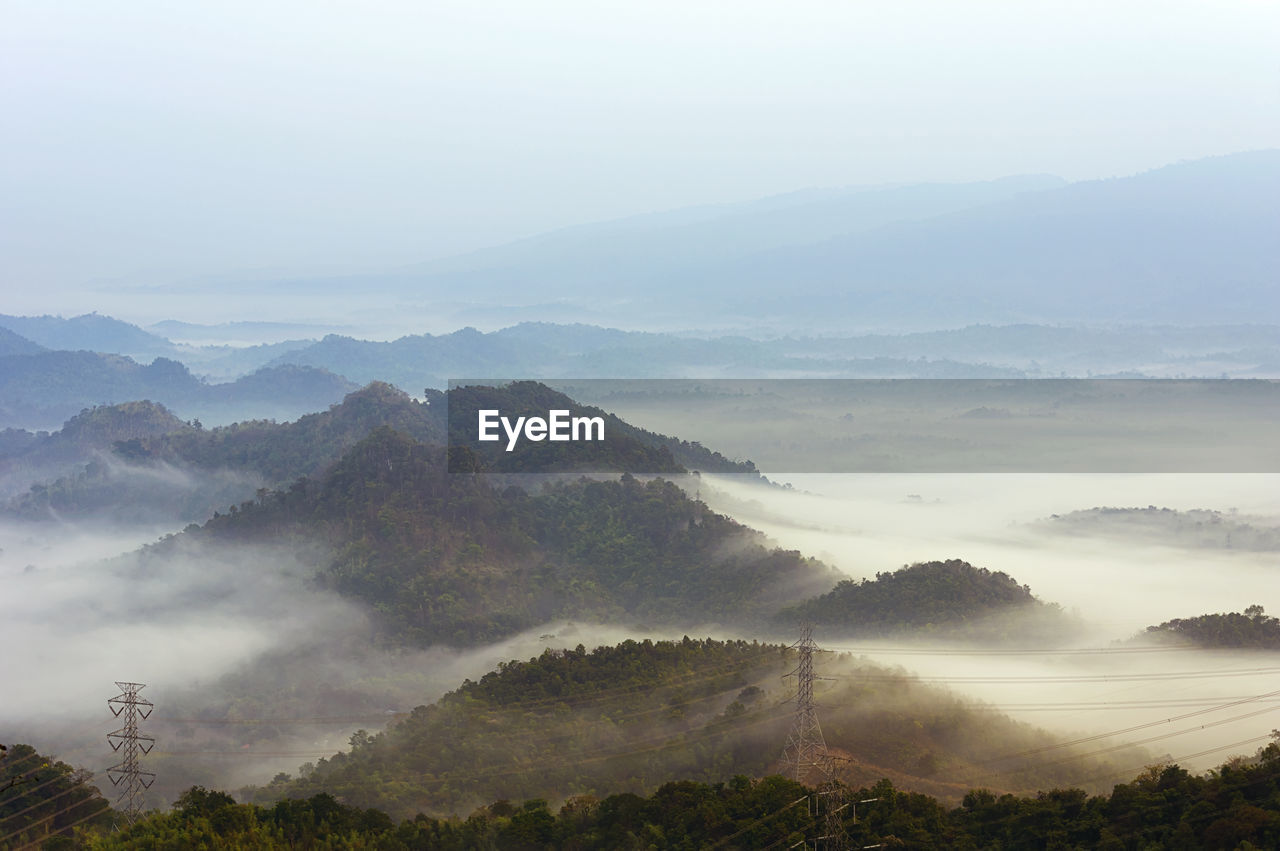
(1049, 651)
(1131, 771)
(1084, 678)
(1150, 739)
(1086, 739)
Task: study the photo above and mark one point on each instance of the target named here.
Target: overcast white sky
(149, 141)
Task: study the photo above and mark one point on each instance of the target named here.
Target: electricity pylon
(129, 741)
(805, 753)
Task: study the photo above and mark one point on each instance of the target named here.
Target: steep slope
(455, 558)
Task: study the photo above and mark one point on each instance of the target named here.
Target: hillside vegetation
(937, 598)
(634, 716)
(1253, 628)
(458, 559)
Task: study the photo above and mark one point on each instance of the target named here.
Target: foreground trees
(1236, 806)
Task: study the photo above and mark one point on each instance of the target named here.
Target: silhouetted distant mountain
(1188, 243)
(542, 350)
(42, 390)
(89, 332)
(587, 259)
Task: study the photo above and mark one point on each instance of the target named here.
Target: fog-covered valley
(866, 524)
(256, 670)
(928, 357)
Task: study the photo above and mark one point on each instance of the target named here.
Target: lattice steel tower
(132, 744)
(806, 749)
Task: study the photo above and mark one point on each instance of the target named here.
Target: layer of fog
(866, 524)
(270, 672)
(252, 668)
(111, 496)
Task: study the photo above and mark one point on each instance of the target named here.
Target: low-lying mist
(255, 670)
(1116, 585)
(252, 668)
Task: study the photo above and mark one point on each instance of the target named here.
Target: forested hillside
(41, 796)
(455, 558)
(27, 457)
(634, 716)
(951, 598)
(162, 467)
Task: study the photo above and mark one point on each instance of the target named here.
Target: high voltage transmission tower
(133, 744)
(806, 753)
(806, 750)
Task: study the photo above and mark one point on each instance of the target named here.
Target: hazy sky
(148, 141)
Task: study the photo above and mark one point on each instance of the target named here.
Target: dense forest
(1237, 806)
(41, 796)
(33, 457)
(459, 559)
(951, 598)
(1253, 628)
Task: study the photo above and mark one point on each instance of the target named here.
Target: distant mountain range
(1190, 243)
(40, 387)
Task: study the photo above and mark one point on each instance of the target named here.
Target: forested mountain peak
(460, 559)
(105, 424)
(935, 597)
